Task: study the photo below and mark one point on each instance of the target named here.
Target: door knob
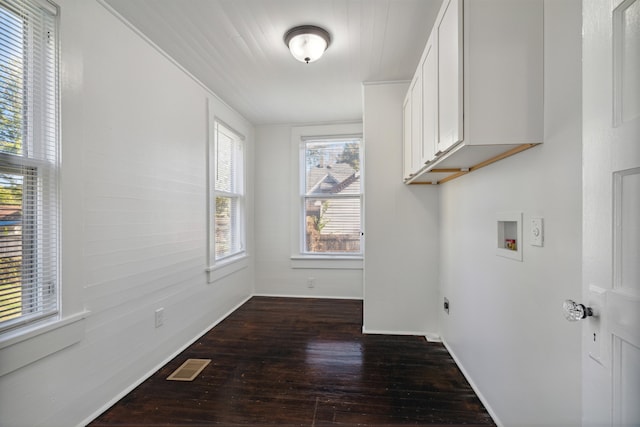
(574, 311)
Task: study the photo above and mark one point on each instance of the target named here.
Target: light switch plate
(537, 232)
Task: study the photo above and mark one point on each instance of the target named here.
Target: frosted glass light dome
(307, 43)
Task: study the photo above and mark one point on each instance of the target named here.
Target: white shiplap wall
(134, 134)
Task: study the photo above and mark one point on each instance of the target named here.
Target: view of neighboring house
(10, 225)
(333, 223)
(10, 256)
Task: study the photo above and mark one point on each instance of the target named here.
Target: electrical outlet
(311, 282)
(445, 306)
(159, 317)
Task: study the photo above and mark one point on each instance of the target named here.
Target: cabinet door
(429, 100)
(416, 123)
(406, 137)
(450, 54)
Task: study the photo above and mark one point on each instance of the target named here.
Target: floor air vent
(189, 370)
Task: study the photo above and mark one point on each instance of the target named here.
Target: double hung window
(228, 194)
(331, 196)
(29, 276)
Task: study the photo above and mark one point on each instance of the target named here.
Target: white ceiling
(236, 48)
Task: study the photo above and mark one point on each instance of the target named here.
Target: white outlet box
(311, 282)
(537, 232)
(159, 317)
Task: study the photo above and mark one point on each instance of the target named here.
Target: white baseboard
(475, 388)
(389, 332)
(147, 375)
(431, 337)
(260, 294)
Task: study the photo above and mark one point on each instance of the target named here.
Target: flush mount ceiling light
(307, 43)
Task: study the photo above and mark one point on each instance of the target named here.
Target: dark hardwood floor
(304, 362)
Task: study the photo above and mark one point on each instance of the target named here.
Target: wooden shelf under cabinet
(464, 159)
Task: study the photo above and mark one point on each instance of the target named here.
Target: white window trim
(299, 259)
(228, 267)
(22, 347)
(27, 344)
(327, 262)
(218, 269)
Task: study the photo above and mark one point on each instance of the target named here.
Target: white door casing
(611, 212)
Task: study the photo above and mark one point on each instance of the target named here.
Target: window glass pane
(11, 78)
(227, 221)
(332, 167)
(333, 225)
(227, 239)
(11, 186)
(224, 163)
(332, 196)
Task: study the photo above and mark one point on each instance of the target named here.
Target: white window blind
(228, 218)
(28, 163)
(331, 196)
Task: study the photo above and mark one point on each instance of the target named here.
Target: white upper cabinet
(416, 122)
(481, 80)
(429, 69)
(420, 114)
(449, 74)
(406, 137)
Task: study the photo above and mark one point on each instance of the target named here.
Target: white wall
(134, 232)
(401, 226)
(506, 326)
(275, 223)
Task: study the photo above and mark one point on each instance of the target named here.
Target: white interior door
(611, 212)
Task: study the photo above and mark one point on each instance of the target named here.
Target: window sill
(337, 262)
(227, 267)
(21, 347)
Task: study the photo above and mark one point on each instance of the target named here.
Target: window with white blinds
(228, 194)
(28, 163)
(331, 196)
